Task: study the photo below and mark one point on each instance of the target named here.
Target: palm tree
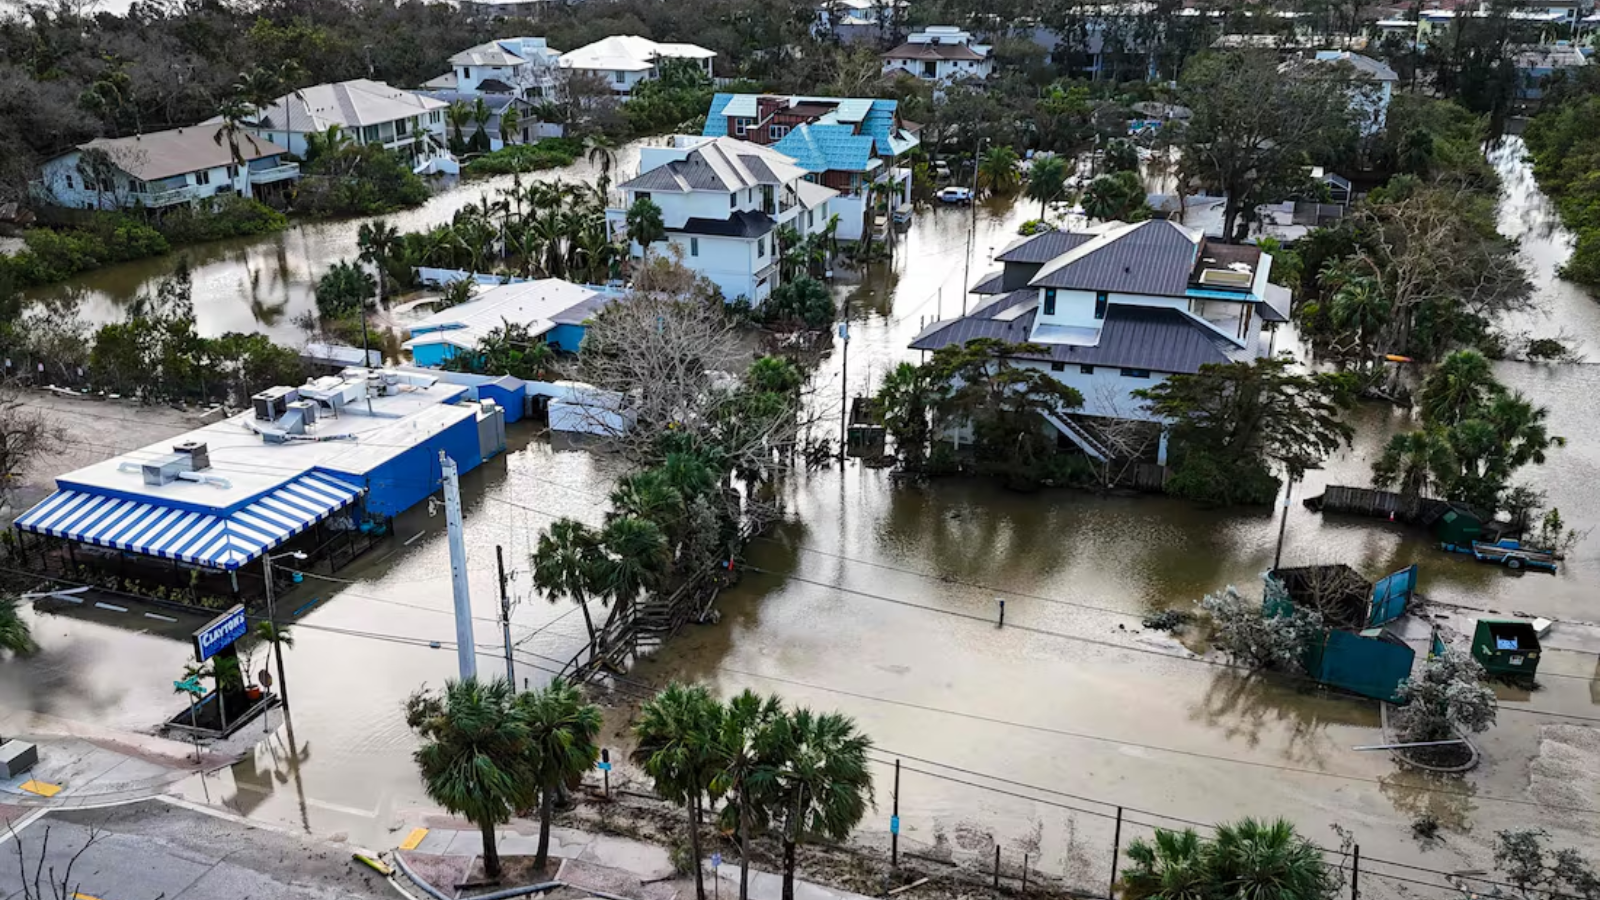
(998, 172)
(380, 244)
(457, 114)
(909, 395)
(1417, 462)
(481, 114)
(645, 224)
(1456, 388)
(602, 153)
(475, 757)
(1170, 868)
(325, 143)
(564, 566)
(15, 635)
(1047, 180)
(259, 87)
(1360, 307)
(1267, 861)
(562, 730)
(676, 733)
(635, 559)
(234, 112)
(744, 768)
(510, 120)
(279, 639)
(344, 290)
(823, 784)
(648, 495)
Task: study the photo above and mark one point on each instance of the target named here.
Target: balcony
(274, 173)
(169, 197)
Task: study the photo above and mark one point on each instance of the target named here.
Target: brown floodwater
(878, 599)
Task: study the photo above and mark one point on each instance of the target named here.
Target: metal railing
(274, 173)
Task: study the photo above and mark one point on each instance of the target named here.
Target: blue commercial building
(324, 465)
(550, 308)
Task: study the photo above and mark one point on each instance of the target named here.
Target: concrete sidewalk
(597, 862)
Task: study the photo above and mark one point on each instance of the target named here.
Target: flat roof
(352, 443)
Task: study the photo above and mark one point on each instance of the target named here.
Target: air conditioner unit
(199, 456)
(273, 402)
(308, 410)
(1226, 278)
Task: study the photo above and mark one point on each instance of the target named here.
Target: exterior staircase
(1080, 436)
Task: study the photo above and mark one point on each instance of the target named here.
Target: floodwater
(262, 283)
(880, 600)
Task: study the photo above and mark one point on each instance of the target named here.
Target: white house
(163, 168)
(940, 54)
(1121, 307)
(1371, 82)
(554, 311)
(625, 60)
(722, 201)
(368, 112)
(524, 67)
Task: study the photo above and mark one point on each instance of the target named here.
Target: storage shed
(1506, 647)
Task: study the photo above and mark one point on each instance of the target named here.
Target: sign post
(604, 765)
(194, 689)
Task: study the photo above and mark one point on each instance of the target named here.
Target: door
(1391, 596)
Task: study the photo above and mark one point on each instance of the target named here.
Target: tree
(635, 559)
(562, 730)
(998, 172)
(1121, 156)
(1537, 871)
(1446, 698)
(908, 398)
(1119, 197)
(15, 634)
(564, 566)
(457, 115)
(510, 121)
(234, 111)
(25, 435)
(1233, 423)
(803, 303)
(1006, 404)
(1414, 462)
(602, 154)
(1457, 389)
(1253, 128)
(475, 759)
(279, 638)
(744, 769)
(344, 291)
(1246, 859)
(644, 224)
(481, 114)
(1047, 181)
(676, 735)
(1269, 635)
(380, 246)
(822, 786)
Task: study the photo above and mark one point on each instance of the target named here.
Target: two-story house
(524, 67)
(941, 54)
(163, 168)
(852, 145)
(624, 60)
(722, 202)
(1121, 307)
(367, 112)
(1371, 82)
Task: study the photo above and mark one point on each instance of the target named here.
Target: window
(467, 72)
(70, 185)
(434, 117)
(202, 177)
(929, 69)
(1058, 367)
(1135, 373)
(740, 126)
(1049, 301)
(776, 132)
(761, 248)
(733, 200)
(1100, 301)
(1086, 370)
(640, 195)
(621, 78)
(694, 246)
(233, 172)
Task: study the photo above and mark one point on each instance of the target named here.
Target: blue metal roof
(819, 148)
(717, 116)
(874, 117)
(218, 541)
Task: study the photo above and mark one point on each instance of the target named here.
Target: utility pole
(272, 620)
(1283, 525)
(505, 613)
(894, 821)
(465, 657)
(844, 381)
(972, 224)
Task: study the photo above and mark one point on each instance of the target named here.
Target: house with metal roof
(722, 201)
(316, 468)
(162, 169)
(1120, 307)
(1371, 82)
(624, 60)
(365, 111)
(523, 67)
(850, 144)
(554, 311)
(941, 54)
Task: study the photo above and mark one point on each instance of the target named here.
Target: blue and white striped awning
(220, 542)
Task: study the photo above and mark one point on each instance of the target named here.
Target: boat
(1508, 553)
(955, 195)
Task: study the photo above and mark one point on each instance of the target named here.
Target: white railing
(167, 197)
(274, 173)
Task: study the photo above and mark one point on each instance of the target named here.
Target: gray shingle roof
(719, 164)
(1152, 257)
(1132, 337)
(742, 224)
(1041, 248)
(161, 154)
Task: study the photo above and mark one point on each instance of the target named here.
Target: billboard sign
(219, 633)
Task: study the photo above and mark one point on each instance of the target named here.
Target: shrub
(1251, 634)
(1447, 697)
(225, 216)
(551, 153)
(102, 239)
(363, 180)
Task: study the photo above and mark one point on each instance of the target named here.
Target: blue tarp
(218, 541)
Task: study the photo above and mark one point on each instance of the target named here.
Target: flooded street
(879, 600)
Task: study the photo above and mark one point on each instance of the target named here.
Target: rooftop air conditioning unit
(199, 456)
(164, 469)
(1226, 278)
(308, 410)
(273, 402)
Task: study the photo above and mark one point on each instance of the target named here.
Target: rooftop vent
(273, 402)
(199, 456)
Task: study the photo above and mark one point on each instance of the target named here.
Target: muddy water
(878, 600)
(260, 284)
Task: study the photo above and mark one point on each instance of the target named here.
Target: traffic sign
(190, 685)
(603, 766)
(894, 824)
(716, 860)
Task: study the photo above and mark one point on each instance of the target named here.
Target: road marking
(414, 538)
(42, 788)
(414, 839)
(78, 896)
(111, 607)
(159, 616)
(24, 822)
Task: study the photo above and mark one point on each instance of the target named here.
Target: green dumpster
(1506, 647)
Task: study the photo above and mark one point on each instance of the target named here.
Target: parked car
(959, 196)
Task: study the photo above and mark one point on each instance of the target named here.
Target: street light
(277, 645)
